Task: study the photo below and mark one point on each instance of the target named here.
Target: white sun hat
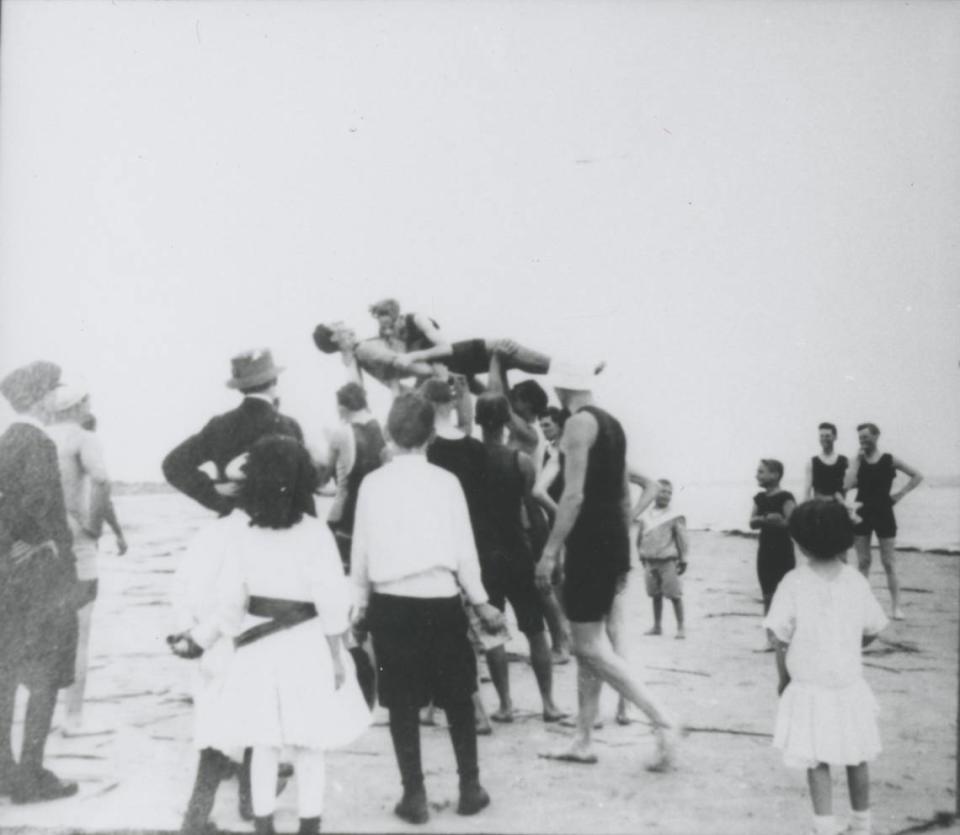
(70, 394)
(573, 375)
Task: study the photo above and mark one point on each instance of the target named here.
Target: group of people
(301, 625)
(54, 502)
(831, 477)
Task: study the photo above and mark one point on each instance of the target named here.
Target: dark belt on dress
(283, 614)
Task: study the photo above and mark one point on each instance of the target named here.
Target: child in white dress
(822, 614)
(285, 679)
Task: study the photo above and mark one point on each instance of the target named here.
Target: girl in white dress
(822, 614)
(281, 611)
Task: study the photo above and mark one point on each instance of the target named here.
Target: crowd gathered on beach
(472, 493)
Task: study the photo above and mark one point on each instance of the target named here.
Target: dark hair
(323, 338)
(533, 393)
(557, 415)
(492, 411)
(436, 391)
(89, 423)
(773, 465)
(665, 482)
(352, 397)
(388, 306)
(822, 527)
(279, 484)
(258, 389)
(872, 428)
(410, 422)
(829, 426)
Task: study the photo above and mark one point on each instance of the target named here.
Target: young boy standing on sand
(662, 545)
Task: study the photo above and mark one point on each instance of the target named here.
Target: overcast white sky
(750, 210)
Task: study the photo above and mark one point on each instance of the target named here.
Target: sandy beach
(137, 773)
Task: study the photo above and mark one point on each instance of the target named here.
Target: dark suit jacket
(32, 508)
(220, 441)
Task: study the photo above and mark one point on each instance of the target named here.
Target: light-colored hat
(69, 395)
(573, 375)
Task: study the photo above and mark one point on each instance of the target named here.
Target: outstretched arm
(521, 432)
(648, 487)
(915, 479)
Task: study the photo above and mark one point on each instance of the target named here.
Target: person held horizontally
(662, 545)
(412, 546)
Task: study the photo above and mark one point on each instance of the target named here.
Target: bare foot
(655, 631)
(571, 722)
(559, 657)
(681, 633)
(484, 729)
(898, 614)
(576, 753)
(623, 718)
(554, 714)
(504, 715)
(666, 757)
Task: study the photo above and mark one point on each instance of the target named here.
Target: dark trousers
(405, 732)
(40, 707)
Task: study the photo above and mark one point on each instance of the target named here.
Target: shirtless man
(421, 340)
(86, 491)
(873, 474)
(593, 520)
(826, 471)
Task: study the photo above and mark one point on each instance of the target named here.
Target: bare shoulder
(581, 427)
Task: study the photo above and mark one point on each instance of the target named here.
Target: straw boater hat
(253, 368)
(28, 384)
(70, 395)
(573, 376)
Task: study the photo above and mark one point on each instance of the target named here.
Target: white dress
(278, 691)
(827, 714)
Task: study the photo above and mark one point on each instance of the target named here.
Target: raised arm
(520, 431)
(648, 487)
(912, 484)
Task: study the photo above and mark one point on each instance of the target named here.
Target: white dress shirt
(412, 535)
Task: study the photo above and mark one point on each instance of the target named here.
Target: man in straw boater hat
(592, 524)
(224, 441)
(38, 620)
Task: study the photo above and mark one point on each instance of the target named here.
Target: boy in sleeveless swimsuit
(873, 474)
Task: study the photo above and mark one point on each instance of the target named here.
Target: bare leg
(657, 615)
(557, 624)
(861, 545)
(615, 632)
(594, 651)
(678, 611)
(888, 556)
(484, 728)
(500, 675)
(821, 790)
(520, 357)
(542, 664)
(74, 694)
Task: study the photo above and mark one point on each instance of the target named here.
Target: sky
(748, 210)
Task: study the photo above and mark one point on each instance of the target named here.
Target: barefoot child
(662, 545)
(771, 514)
(821, 616)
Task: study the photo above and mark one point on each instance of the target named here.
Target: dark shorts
(422, 650)
(588, 595)
(512, 579)
(469, 357)
(877, 519)
(772, 566)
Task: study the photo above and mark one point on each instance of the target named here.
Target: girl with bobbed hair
(821, 616)
(278, 674)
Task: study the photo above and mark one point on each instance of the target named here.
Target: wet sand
(137, 774)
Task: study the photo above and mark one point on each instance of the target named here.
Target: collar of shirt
(258, 396)
(30, 420)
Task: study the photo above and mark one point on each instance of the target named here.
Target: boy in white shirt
(413, 548)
